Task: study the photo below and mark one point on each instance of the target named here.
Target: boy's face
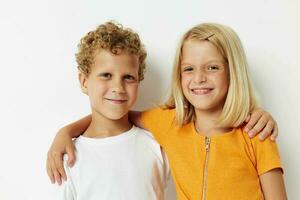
(112, 84)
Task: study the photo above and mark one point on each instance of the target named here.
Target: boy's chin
(116, 116)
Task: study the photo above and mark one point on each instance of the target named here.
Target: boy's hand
(261, 122)
(62, 144)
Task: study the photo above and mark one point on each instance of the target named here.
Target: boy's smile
(116, 101)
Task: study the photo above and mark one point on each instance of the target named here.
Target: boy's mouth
(116, 101)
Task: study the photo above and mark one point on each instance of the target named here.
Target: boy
(115, 160)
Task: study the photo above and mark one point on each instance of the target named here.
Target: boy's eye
(129, 77)
(105, 75)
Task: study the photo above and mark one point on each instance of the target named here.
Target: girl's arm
(273, 185)
(62, 144)
(259, 121)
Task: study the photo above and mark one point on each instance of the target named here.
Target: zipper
(207, 149)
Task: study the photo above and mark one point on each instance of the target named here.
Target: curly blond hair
(113, 37)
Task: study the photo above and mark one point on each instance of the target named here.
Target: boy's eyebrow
(100, 73)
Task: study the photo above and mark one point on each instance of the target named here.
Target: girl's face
(204, 75)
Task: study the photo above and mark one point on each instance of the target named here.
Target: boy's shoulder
(145, 137)
(146, 140)
(142, 133)
(141, 137)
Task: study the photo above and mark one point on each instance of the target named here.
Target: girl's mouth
(201, 91)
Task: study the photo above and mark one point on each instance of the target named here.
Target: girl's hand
(260, 121)
(62, 144)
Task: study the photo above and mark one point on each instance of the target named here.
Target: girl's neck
(206, 123)
(102, 127)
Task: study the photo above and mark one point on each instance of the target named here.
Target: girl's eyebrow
(208, 62)
(214, 61)
(185, 63)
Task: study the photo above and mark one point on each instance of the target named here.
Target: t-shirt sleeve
(158, 121)
(166, 168)
(267, 155)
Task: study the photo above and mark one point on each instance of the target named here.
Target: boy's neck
(206, 123)
(102, 127)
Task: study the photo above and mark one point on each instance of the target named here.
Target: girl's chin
(208, 108)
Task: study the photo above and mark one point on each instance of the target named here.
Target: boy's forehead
(125, 59)
(114, 53)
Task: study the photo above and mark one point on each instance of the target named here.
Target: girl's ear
(83, 82)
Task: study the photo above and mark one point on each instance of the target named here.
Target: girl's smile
(204, 75)
(201, 90)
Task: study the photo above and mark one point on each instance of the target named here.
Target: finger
(49, 171)
(267, 130)
(59, 165)
(275, 133)
(57, 177)
(260, 125)
(247, 118)
(55, 172)
(254, 118)
(71, 155)
(62, 172)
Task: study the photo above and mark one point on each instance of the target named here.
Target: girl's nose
(199, 77)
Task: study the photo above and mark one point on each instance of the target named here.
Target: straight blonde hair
(240, 100)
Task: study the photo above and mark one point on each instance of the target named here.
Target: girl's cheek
(182, 81)
(185, 79)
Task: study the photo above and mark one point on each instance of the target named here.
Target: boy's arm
(273, 185)
(261, 122)
(63, 144)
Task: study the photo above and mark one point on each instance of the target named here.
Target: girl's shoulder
(160, 112)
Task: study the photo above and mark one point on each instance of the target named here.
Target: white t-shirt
(129, 166)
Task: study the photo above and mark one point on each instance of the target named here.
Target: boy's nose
(117, 86)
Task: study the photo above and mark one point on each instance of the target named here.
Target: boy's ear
(83, 82)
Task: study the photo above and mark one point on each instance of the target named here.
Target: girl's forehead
(202, 50)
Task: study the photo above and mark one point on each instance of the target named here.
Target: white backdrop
(40, 92)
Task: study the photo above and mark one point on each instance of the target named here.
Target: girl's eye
(106, 75)
(213, 68)
(187, 69)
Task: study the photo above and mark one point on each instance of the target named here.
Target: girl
(201, 126)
